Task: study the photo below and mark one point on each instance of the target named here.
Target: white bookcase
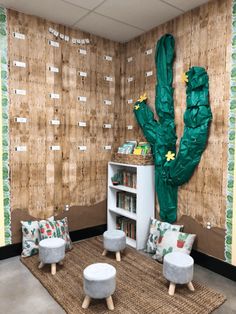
(145, 200)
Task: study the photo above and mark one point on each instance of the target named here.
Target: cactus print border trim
(231, 147)
(5, 125)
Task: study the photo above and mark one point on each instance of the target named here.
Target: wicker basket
(133, 159)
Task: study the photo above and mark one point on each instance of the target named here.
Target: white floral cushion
(157, 231)
(31, 237)
(174, 241)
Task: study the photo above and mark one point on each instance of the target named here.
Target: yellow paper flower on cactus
(136, 107)
(170, 156)
(142, 97)
(184, 78)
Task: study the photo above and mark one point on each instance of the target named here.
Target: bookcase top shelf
(128, 165)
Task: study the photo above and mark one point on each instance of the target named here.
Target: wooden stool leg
(190, 286)
(53, 268)
(118, 258)
(110, 304)
(172, 289)
(86, 302)
(104, 253)
(60, 263)
(41, 264)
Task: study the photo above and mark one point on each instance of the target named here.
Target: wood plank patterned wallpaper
(42, 180)
(203, 38)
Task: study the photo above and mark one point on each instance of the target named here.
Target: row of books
(129, 179)
(126, 201)
(127, 225)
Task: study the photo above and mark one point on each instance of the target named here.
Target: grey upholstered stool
(114, 241)
(99, 283)
(51, 251)
(178, 269)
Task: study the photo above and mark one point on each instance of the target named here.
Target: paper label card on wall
(149, 73)
(82, 123)
(55, 122)
(67, 38)
(82, 51)
(55, 147)
(19, 35)
(107, 147)
(107, 58)
(53, 69)
(53, 43)
(82, 148)
(130, 101)
(130, 127)
(148, 52)
(108, 78)
(83, 74)
(19, 64)
(107, 102)
(20, 120)
(82, 98)
(54, 96)
(73, 40)
(20, 91)
(130, 79)
(20, 148)
(130, 59)
(107, 126)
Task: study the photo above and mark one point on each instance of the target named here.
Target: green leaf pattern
(231, 145)
(5, 125)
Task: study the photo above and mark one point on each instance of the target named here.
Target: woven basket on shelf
(133, 159)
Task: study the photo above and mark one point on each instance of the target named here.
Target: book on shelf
(127, 178)
(126, 201)
(127, 225)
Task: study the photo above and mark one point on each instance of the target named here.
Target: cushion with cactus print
(55, 229)
(31, 237)
(157, 231)
(174, 241)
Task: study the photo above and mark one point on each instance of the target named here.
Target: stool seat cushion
(114, 240)
(99, 280)
(52, 242)
(51, 250)
(99, 271)
(178, 267)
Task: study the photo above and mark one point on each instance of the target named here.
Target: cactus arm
(145, 119)
(197, 118)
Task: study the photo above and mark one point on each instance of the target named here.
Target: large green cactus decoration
(172, 171)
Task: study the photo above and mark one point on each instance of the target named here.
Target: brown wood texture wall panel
(202, 39)
(42, 180)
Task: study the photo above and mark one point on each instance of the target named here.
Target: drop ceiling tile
(102, 26)
(87, 4)
(139, 13)
(186, 5)
(54, 10)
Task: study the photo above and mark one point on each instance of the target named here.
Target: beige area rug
(141, 287)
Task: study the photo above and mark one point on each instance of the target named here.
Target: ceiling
(118, 20)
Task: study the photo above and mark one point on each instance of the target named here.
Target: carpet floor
(141, 288)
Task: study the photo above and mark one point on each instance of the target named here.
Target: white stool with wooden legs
(51, 251)
(99, 283)
(178, 269)
(114, 241)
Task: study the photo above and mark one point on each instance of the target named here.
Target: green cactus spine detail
(172, 171)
